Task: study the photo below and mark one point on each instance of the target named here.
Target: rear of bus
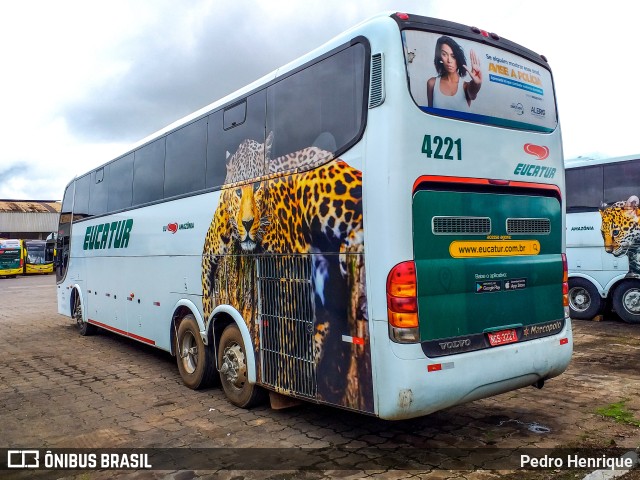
(11, 258)
(468, 211)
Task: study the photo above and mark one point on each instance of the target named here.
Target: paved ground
(61, 390)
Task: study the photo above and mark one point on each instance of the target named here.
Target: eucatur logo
(537, 151)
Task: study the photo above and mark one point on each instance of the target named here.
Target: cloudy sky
(80, 81)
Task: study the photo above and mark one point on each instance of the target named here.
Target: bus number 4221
(442, 148)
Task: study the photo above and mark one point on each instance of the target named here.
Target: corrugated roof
(28, 222)
(30, 206)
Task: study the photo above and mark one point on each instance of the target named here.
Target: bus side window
(241, 141)
(584, 189)
(185, 162)
(121, 184)
(216, 167)
(99, 191)
(148, 172)
(81, 201)
(319, 106)
(64, 233)
(621, 181)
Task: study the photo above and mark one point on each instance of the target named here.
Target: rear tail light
(565, 285)
(402, 303)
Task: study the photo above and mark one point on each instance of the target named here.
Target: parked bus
(11, 257)
(603, 236)
(335, 233)
(38, 256)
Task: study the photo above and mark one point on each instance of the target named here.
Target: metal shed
(28, 219)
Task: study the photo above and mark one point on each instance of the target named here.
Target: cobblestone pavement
(61, 390)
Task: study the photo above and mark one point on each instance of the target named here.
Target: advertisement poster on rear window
(459, 78)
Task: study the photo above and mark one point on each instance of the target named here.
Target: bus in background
(38, 256)
(343, 231)
(603, 236)
(11, 257)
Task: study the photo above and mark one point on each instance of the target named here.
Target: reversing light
(402, 303)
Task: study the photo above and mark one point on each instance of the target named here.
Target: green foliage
(619, 412)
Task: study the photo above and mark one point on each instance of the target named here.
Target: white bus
(603, 236)
(336, 233)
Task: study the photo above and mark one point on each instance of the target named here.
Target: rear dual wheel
(584, 300)
(626, 300)
(232, 362)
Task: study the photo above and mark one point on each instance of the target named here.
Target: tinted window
(235, 116)
(621, 181)
(320, 106)
(64, 233)
(99, 192)
(148, 173)
(81, 202)
(185, 161)
(515, 92)
(121, 183)
(216, 166)
(243, 143)
(584, 189)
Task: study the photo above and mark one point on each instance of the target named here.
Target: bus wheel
(85, 329)
(233, 370)
(194, 358)
(626, 301)
(584, 300)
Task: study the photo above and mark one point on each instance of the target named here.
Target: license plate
(502, 337)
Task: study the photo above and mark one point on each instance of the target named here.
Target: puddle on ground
(532, 427)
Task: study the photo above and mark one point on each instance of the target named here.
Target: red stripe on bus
(122, 332)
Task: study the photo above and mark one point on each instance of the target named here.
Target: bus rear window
(497, 87)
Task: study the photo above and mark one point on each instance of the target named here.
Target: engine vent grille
(528, 226)
(461, 225)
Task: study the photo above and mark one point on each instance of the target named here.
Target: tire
(233, 370)
(195, 359)
(584, 300)
(626, 301)
(85, 329)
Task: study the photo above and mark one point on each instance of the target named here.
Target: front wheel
(584, 300)
(195, 359)
(232, 361)
(85, 329)
(626, 301)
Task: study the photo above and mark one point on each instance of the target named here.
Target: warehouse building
(28, 219)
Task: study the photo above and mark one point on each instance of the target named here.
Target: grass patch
(619, 412)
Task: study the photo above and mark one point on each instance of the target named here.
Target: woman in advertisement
(445, 91)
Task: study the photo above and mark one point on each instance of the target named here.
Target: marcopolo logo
(108, 235)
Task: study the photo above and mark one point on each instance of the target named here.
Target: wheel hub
(234, 366)
(632, 301)
(189, 353)
(580, 299)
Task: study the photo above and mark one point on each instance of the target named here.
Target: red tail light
(402, 301)
(565, 281)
